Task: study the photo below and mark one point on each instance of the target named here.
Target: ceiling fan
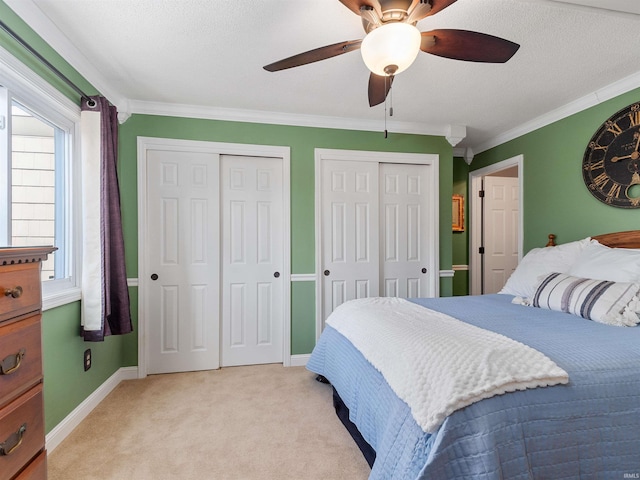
(393, 42)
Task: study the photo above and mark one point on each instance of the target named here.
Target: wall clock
(611, 163)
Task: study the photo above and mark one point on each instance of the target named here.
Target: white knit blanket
(436, 363)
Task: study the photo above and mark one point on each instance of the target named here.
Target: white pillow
(542, 261)
(612, 303)
(605, 263)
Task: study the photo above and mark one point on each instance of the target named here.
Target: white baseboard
(299, 360)
(71, 421)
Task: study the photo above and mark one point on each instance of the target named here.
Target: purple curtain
(116, 313)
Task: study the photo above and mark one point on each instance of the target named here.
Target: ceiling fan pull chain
(385, 108)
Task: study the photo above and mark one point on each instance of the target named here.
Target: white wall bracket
(456, 133)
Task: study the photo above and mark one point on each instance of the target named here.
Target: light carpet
(255, 422)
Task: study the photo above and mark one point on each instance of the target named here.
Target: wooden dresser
(22, 452)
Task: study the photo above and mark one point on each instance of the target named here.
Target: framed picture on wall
(458, 213)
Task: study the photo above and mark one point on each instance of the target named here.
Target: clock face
(611, 164)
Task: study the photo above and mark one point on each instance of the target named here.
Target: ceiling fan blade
(379, 87)
(424, 8)
(355, 5)
(315, 55)
(468, 46)
(439, 5)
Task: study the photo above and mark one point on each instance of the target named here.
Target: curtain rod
(48, 64)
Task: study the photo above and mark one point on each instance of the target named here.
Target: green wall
(556, 199)
(302, 141)
(460, 240)
(66, 382)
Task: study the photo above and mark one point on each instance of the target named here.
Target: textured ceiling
(210, 53)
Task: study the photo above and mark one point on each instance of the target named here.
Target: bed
(587, 426)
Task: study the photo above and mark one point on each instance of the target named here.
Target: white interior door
(183, 256)
(252, 260)
(501, 211)
(404, 219)
(350, 230)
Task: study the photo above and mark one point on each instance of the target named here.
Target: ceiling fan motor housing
(393, 11)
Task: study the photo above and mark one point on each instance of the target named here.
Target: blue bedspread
(587, 429)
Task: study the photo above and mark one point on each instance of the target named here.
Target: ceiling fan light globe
(391, 44)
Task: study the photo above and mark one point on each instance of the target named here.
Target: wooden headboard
(628, 239)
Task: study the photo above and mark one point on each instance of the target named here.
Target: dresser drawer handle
(11, 363)
(13, 292)
(15, 439)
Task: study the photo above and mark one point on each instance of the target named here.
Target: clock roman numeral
(614, 191)
(634, 117)
(600, 181)
(595, 165)
(614, 128)
(595, 146)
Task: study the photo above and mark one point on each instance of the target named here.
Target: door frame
(475, 207)
(433, 199)
(144, 144)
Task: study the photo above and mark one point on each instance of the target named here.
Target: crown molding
(50, 33)
(595, 98)
(281, 118)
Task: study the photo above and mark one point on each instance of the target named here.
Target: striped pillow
(613, 303)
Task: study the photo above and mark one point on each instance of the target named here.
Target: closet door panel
(404, 235)
(350, 226)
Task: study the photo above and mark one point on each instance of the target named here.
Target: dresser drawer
(20, 290)
(36, 470)
(20, 357)
(21, 432)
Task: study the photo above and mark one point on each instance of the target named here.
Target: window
(36, 215)
(37, 179)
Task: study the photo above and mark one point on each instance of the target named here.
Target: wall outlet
(87, 359)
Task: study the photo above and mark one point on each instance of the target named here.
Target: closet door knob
(277, 274)
(154, 276)
(424, 270)
(327, 273)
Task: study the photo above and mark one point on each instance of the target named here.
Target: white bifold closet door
(374, 238)
(183, 255)
(403, 221)
(350, 226)
(252, 259)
